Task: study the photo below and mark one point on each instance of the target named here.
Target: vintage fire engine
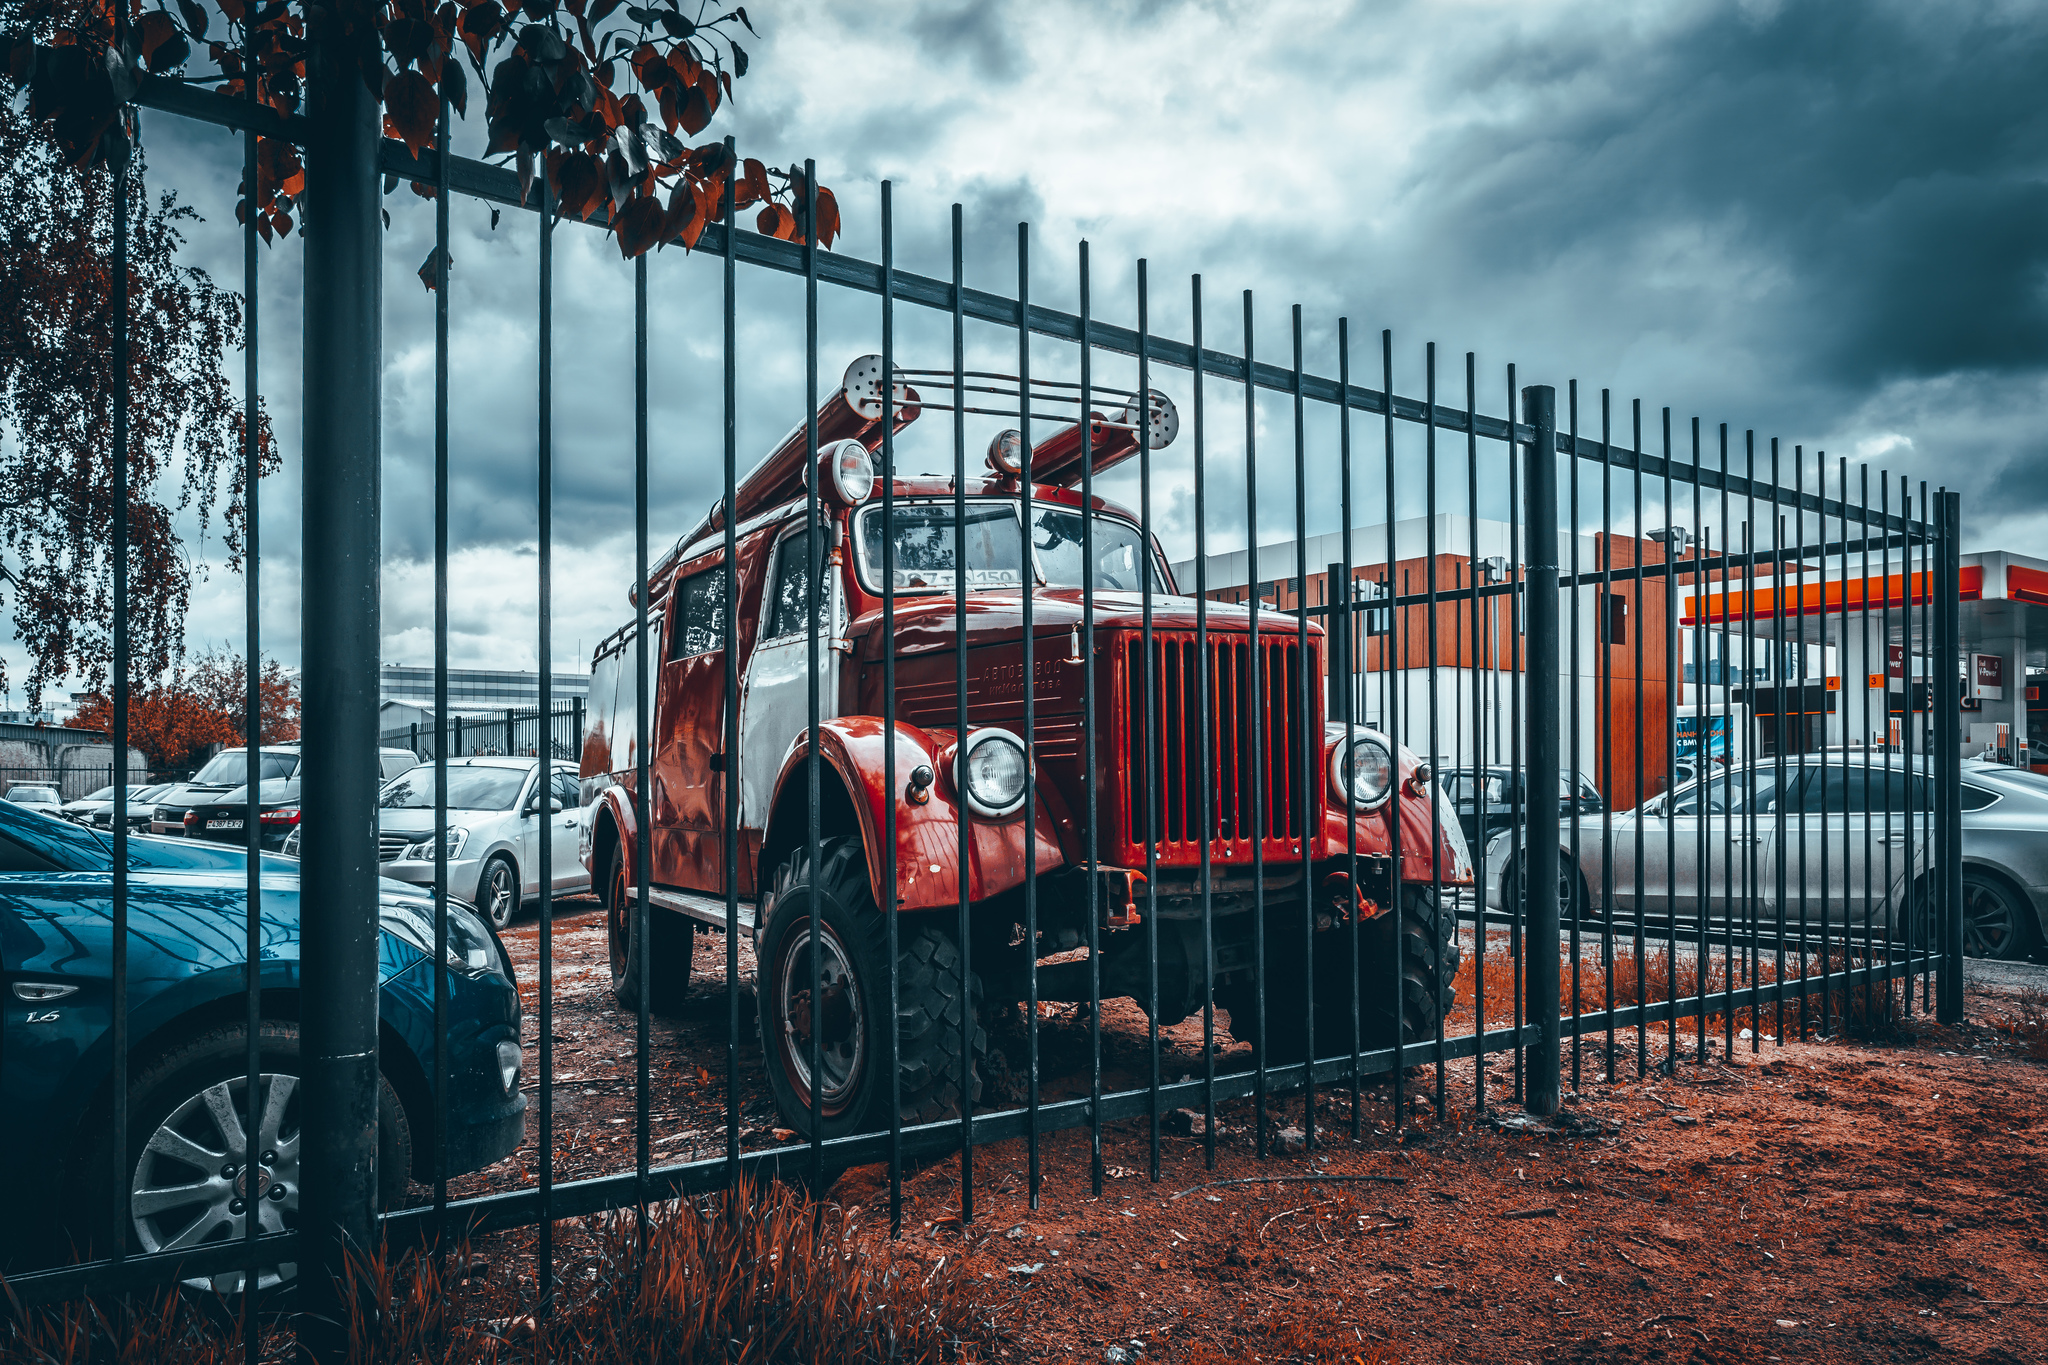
(1261, 736)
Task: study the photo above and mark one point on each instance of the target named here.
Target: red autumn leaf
(683, 220)
(708, 83)
(639, 226)
(579, 185)
(411, 107)
(428, 273)
(776, 221)
(828, 217)
(695, 114)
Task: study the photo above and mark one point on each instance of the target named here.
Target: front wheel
(189, 1181)
(497, 891)
(842, 1009)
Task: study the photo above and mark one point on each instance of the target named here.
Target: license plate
(223, 824)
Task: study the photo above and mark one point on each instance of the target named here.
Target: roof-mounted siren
(1111, 440)
(863, 387)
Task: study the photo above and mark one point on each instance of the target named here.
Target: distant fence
(514, 731)
(76, 762)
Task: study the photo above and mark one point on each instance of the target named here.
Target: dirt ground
(1826, 1200)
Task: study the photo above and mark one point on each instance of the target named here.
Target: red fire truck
(1263, 727)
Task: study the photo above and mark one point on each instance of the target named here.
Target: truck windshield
(926, 542)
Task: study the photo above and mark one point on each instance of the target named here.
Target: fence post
(1539, 515)
(1948, 985)
(338, 885)
(415, 739)
(511, 731)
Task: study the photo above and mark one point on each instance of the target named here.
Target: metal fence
(1243, 799)
(515, 731)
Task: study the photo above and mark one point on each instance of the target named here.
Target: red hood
(928, 624)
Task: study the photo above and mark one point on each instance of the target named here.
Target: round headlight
(994, 771)
(849, 472)
(1362, 770)
(1006, 452)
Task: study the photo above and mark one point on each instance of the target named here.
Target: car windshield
(927, 540)
(32, 794)
(104, 794)
(230, 768)
(469, 788)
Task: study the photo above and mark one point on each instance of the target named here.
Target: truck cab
(865, 652)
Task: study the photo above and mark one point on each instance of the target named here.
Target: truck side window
(700, 614)
(792, 586)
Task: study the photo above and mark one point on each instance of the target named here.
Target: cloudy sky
(1826, 223)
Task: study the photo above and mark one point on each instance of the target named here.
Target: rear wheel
(1997, 923)
(845, 1005)
(671, 941)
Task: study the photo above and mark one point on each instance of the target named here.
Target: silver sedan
(1828, 835)
(500, 810)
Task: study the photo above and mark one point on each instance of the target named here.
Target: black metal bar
(1208, 753)
(1703, 749)
(891, 911)
(813, 760)
(1027, 593)
(543, 785)
(729, 357)
(1673, 692)
(252, 735)
(967, 1021)
(643, 853)
(1572, 728)
(1479, 803)
(1310, 741)
(1252, 734)
(1947, 746)
(1518, 580)
(1779, 890)
(118, 1005)
(1342, 592)
(1635, 635)
(1884, 635)
(1151, 726)
(1089, 671)
(1604, 620)
(340, 610)
(1806, 739)
(1390, 721)
(1436, 844)
(442, 195)
(1863, 620)
(1540, 513)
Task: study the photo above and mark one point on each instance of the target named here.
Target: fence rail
(1363, 931)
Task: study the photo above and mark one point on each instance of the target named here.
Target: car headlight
(470, 945)
(1361, 768)
(423, 850)
(509, 1058)
(994, 772)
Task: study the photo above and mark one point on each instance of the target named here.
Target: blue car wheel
(187, 1173)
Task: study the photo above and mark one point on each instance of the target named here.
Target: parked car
(1356, 781)
(141, 808)
(101, 802)
(499, 810)
(229, 769)
(224, 821)
(36, 797)
(219, 775)
(1835, 802)
(188, 1043)
(1501, 792)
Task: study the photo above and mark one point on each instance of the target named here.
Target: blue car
(188, 1044)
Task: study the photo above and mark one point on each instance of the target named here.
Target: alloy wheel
(1991, 922)
(191, 1186)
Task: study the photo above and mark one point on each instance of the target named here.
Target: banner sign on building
(1711, 736)
(1987, 677)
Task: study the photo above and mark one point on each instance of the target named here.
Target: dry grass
(761, 1275)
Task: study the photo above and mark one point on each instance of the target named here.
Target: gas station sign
(1986, 678)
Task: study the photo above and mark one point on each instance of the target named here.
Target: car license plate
(223, 824)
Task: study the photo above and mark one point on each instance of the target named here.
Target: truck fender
(927, 834)
(611, 824)
(1421, 828)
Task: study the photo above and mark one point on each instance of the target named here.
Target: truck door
(775, 705)
(687, 799)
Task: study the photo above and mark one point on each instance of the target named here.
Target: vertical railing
(1539, 484)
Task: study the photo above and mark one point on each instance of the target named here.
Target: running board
(709, 909)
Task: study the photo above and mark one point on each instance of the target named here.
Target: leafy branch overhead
(600, 96)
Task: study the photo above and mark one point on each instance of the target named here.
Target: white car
(40, 799)
(499, 811)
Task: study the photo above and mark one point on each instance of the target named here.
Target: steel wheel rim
(842, 1054)
(620, 920)
(1988, 920)
(189, 1188)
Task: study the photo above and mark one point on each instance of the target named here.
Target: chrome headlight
(1361, 768)
(993, 772)
(423, 850)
